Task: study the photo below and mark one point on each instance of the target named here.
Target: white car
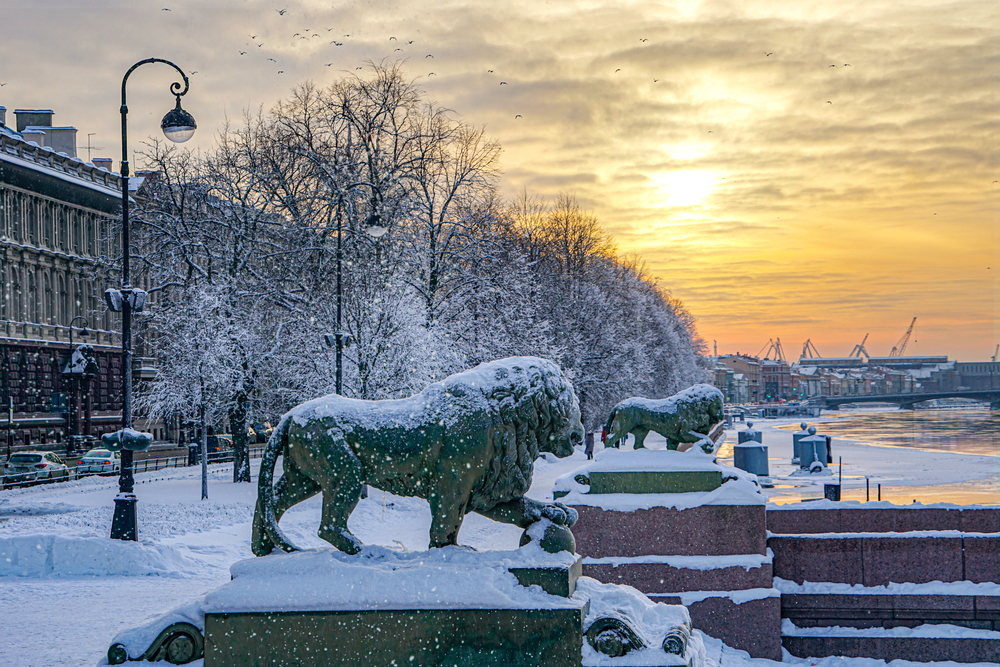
(27, 467)
(99, 461)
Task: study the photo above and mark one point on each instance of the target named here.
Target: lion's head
(532, 408)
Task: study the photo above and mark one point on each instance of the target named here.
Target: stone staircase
(917, 583)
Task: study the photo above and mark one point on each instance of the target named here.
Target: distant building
(58, 214)
(750, 368)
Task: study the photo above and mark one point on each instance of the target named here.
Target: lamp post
(178, 126)
(75, 380)
(374, 230)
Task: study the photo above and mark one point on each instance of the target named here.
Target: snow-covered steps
(881, 581)
(923, 643)
(704, 549)
(851, 516)
(877, 559)
(961, 604)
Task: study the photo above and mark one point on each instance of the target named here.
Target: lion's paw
(559, 514)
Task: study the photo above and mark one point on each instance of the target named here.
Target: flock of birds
(308, 34)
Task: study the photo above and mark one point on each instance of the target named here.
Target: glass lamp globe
(178, 125)
(373, 228)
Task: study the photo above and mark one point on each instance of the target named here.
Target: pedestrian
(589, 448)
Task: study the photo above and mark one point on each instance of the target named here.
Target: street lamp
(84, 332)
(178, 126)
(374, 229)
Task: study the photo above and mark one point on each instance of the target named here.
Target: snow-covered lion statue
(466, 444)
(687, 416)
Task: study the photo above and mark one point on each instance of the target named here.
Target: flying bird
(428, 56)
(272, 60)
(643, 40)
(329, 64)
(243, 53)
(193, 72)
(253, 36)
(393, 38)
(299, 33)
(832, 65)
(847, 64)
(315, 34)
(394, 50)
(829, 102)
(281, 12)
(517, 116)
(357, 68)
(281, 71)
(503, 83)
(410, 42)
(655, 80)
(260, 45)
(337, 43)
(431, 74)
(618, 70)
(490, 71)
(768, 54)
(4, 84)
(165, 9)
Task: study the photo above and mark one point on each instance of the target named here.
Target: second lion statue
(466, 444)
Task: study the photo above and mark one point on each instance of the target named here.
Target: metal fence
(14, 480)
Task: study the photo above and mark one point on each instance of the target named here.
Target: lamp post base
(124, 525)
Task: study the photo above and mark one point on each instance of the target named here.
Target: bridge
(907, 401)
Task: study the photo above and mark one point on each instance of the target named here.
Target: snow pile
(138, 639)
(55, 556)
(929, 588)
(650, 620)
(746, 561)
(381, 578)
(738, 488)
(689, 598)
(824, 504)
(653, 460)
(928, 630)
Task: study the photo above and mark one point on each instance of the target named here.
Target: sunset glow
(801, 170)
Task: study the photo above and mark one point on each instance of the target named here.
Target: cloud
(817, 218)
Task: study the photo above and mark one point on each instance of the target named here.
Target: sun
(685, 187)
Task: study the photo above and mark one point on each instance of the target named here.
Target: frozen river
(969, 430)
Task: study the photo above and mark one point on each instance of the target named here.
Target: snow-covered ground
(66, 589)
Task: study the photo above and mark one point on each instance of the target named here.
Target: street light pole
(178, 126)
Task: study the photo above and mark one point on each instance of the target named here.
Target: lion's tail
(276, 444)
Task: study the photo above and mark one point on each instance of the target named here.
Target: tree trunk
(238, 427)
(204, 451)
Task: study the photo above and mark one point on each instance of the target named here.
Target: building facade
(58, 214)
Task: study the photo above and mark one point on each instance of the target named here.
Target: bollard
(796, 437)
(749, 435)
(812, 450)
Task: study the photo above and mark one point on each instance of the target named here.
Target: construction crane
(996, 354)
(900, 347)
(859, 349)
(774, 345)
(809, 351)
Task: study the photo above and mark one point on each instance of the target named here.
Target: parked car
(219, 443)
(259, 432)
(100, 461)
(28, 467)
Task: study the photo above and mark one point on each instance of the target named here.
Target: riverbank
(906, 473)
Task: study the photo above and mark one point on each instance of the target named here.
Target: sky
(815, 169)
